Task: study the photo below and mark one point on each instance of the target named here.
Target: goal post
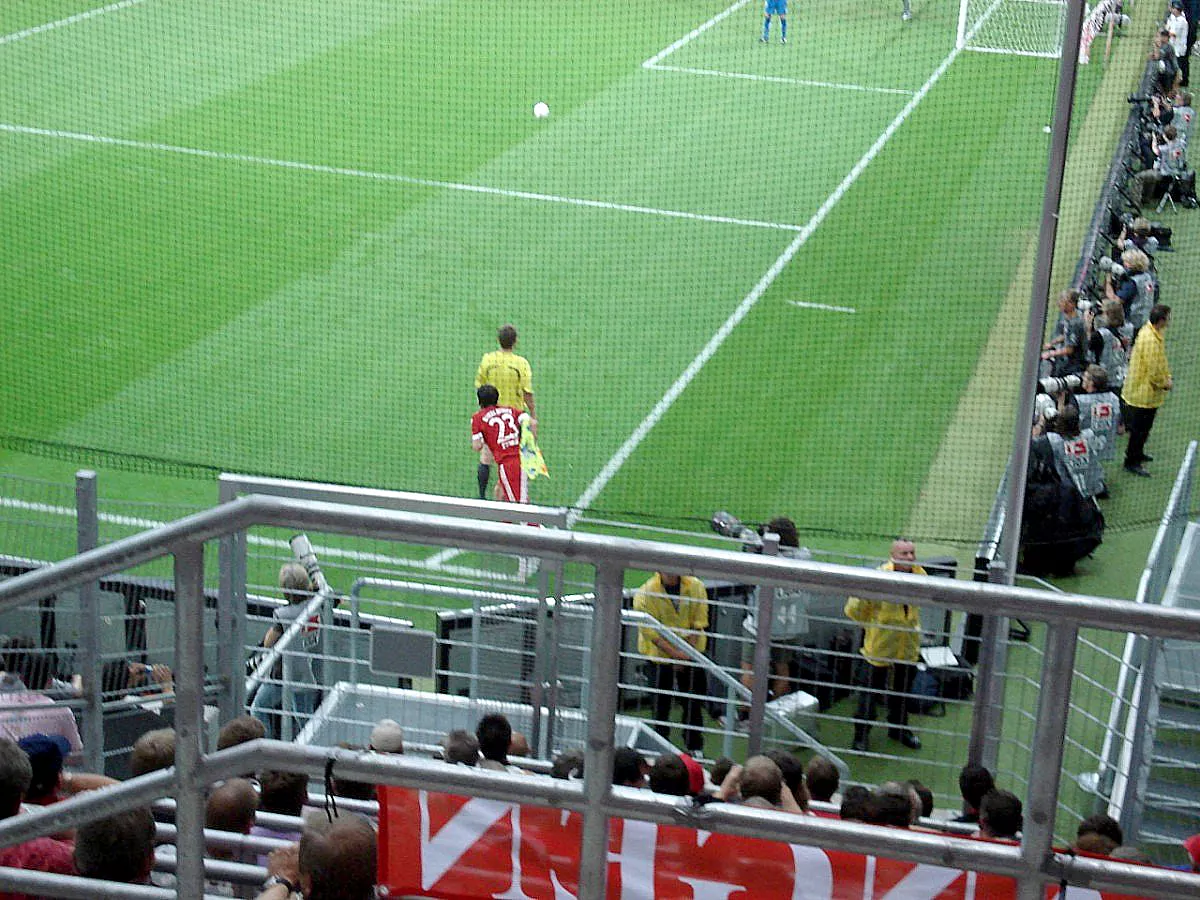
(1015, 27)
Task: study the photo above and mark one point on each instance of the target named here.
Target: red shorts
(514, 488)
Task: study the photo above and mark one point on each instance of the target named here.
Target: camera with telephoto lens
(1107, 264)
(1044, 408)
(728, 525)
(307, 557)
(1059, 385)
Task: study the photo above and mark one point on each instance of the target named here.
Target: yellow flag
(531, 454)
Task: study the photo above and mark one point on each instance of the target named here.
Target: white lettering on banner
(1079, 893)
(924, 882)
(869, 880)
(816, 882)
(560, 892)
(711, 890)
(972, 880)
(702, 837)
(636, 859)
(441, 851)
(515, 890)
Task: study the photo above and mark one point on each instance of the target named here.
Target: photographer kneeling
(1133, 284)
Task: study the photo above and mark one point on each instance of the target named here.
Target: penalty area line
(618, 460)
(778, 79)
(69, 20)
(387, 177)
(805, 305)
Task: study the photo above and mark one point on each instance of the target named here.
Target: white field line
(1049, 54)
(433, 563)
(693, 34)
(69, 20)
(222, 156)
(777, 79)
(751, 299)
(805, 305)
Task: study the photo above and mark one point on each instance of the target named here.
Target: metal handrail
(1033, 863)
(641, 619)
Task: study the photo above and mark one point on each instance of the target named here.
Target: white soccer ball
(540, 110)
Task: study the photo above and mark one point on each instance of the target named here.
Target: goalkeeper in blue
(775, 8)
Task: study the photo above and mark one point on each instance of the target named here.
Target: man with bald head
(891, 646)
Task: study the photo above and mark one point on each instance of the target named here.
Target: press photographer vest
(1143, 301)
(1100, 413)
(1114, 358)
(1077, 463)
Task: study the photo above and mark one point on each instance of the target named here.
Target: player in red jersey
(499, 429)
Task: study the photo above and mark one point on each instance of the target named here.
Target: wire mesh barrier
(637, 161)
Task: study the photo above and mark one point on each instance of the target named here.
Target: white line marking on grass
(69, 20)
(751, 299)
(693, 34)
(1049, 54)
(436, 562)
(222, 156)
(776, 79)
(841, 309)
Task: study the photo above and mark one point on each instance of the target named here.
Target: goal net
(1018, 27)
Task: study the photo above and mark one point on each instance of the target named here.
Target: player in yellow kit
(510, 374)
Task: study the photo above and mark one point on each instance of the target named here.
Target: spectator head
(461, 746)
(1000, 815)
(241, 730)
(1114, 313)
(720, 770)
(24, 659)
(387, 737)
(46, 753)
(903, 554)
(669, 579)
(15, 775)
(568, 765)
(294, 581)
(1160, 316)
(761, 778)
(1141, 226)
(1135, 261)
(629, 768)
(283, 793)
(1102, 824)
(231, 806)
(1068, 300)
(337, 860)
(822, 778)
(669, 775)
(1095, 379)
(487, 395)
(892, 803)
(793, 774)
(119, 848)
(1192, 846)
(1170, 133)
(154, 750)
(1097, 844)
(973, 783)
(1185, 99)
(506, 335)
(518, 745)
(856, 804)
(925, 795)
(494, 735)
(786, 529)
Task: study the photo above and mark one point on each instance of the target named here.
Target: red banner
(439, 845)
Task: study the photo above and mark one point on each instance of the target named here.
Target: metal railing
(1033, 863)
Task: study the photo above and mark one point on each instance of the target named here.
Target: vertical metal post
(1045, 771)
(189, 709)
(537, 691)
(1040, 293)
(602, 711)
(231, 615)
(355, 625)
(87, 537)
(476, 629)
(765, 617)
(988, 714)
(552, 685)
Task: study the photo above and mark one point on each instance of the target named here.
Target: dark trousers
(669, 678)
(891, 684)
(1138, 423)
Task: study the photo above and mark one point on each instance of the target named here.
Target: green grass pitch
(276, 238)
